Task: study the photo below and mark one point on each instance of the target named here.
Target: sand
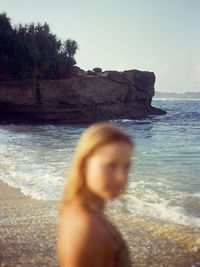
(27, 229)
(28, 235)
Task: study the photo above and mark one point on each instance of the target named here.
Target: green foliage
(33, 52)
(5, 34)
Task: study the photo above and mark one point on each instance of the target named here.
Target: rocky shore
(84, 98)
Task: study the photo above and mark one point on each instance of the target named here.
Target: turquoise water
(164, 182)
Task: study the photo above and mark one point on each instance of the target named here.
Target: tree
(5, 35)
(70, 47)
(34, 52)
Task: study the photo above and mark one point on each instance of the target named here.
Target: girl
(86, 238)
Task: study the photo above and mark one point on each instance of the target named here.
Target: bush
(33, 52)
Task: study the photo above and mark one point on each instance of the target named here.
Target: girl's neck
(93, 202)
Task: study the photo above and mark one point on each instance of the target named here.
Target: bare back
(82, 240)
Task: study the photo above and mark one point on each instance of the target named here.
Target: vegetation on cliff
(33, 52)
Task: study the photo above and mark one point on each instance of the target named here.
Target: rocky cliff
(85, 98)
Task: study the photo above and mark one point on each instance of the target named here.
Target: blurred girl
(86, 237)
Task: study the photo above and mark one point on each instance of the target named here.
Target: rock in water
(110, 95)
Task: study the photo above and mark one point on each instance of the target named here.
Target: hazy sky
(151, 35)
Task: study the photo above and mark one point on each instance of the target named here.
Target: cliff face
(109, 95)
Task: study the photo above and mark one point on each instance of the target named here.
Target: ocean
(164, 180)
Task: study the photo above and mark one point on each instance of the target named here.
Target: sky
(149, 35)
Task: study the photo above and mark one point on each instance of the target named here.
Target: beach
(28, 235)
(27, 229)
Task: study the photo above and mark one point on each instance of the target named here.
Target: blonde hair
(95, 136)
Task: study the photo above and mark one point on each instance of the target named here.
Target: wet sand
(28, 235)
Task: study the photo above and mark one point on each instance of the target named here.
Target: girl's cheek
(108, 174)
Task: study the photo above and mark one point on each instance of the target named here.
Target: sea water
(164, 181)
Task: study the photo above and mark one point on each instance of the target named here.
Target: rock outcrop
(85, 98)
(97, 70)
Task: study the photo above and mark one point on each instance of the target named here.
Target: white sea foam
(155, 206)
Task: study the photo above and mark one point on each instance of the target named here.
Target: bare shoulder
(76, 216)
(81, 240)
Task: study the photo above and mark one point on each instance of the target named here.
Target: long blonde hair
(95, 136)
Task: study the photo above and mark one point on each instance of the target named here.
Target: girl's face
(107, 170)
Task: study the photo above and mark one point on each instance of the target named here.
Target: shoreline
(28, 235)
